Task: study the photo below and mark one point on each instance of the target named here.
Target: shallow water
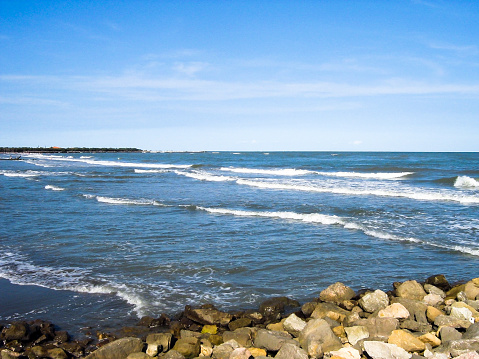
(112, 237)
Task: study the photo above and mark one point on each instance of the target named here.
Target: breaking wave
(124, 201)
(54, 188)
(466, 182)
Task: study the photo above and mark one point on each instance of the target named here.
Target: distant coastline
(65, 150)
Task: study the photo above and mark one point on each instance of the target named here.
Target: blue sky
(241, 75)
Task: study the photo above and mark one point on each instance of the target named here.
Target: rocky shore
(414, 320)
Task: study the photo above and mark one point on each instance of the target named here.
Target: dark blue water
(105, 238)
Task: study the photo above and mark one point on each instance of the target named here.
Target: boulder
(346, 353)
(206, 348)
(449, 333)
(10, 354)
(243, 336)
(439, 281)
(240, 353)
(448, 321)
(474, 312)
(208, 316)
(472, 332)
(331, 311)
(57, 353)
(432, 313)
(189, 347)
(468, 355)
(415, 326)
(257, 352)
(138, 355)
(433, 299)
(158, 343)
(406, 340)
(374, 301)
(273, 308)
(271, 340)
(277, 327)
(356, 333)
(336, 293)
(458, 347)
(294, 325)
(120, 348)
(17, 331)
(173, 354)
(317, 338)
(472, 289)
(461, 313)
(395, 310)
(210, 329)
(431, 289)
(291, 351)
(410, 290)
(224, 350)
(380, 328)
(431, 339)
(239, 323)
(416, 309)
(380, 350)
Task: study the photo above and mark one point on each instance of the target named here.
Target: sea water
(103, 239)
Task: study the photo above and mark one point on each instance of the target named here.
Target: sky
(240, 75)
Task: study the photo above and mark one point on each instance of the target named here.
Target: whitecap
(466, 182)
(276, 172)
(204, 176)
(54, 188)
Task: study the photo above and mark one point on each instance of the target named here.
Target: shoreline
(352, 322)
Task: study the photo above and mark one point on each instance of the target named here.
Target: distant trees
(65, 150)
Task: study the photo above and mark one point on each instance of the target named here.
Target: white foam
(127, 201)
(21, 174)
(150, 171)
(379, 175)
(305, 217)
(466, 182)
(205, 176)
(277, 172)
(417, 195)
(54, 188)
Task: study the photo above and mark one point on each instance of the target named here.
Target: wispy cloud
(460, 49)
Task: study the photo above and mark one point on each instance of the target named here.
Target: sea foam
(466, 182)
(54, 188)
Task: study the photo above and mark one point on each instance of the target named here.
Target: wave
(466, 182)
(124, 201)
(21, 174)
(54, 188)
(205, 176)
(335, 220)
(150, 171)
(109, 163)
(298, 172)
(18, 270)
(421, 195)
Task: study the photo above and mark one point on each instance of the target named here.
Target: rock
(272, 308)
(173, 354)
(240, 353)
(138, 355)
(346, 353)
(431, 339)
(416, 309)
(336, 293)
(210, 329)
(208, 316)
(432, 299)
(239, 323)
(411, 290)
(224, 350)
(395, 310)
(317, 338)
(469, 355)
(291, 351)
(449, 333)
(189, 334)
(271, 340)
(439, 281)
(448, 321)
(431, 289)
(415, 326)
(120, 348)
(379, 327)
(158, 343)
(453, 292)
(472, 289)
(406, 340)
(188, 347)
(276, 327)
(374, 301)
(243, 336)
(9, 354)
(206, 348)
(294, 325)
(380, 350)
(16, 331)
(472, 332)
(257, 352)
(356, 333)
(331, 311)
(308, 308)
(458, 347)
(432, 313)
(57, 353)
(461, 313)
(474, 312)
(339, 331)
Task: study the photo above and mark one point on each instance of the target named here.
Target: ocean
(100, 240)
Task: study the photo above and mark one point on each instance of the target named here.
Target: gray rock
(120, 348)
(16, 331)
(294, 325)
(448, 321)
(138, 355)
(291, 351)
(208, 316)
(449, 333)
(241, 335)
(224, 350)
(472, 332)
(380, 350)
(317, 336)
(272, 340)
(188, 347)
(458, 347)
(272, 308)
(240, 353)
(431, 289)
(374, 301)
(416, 326)
(331, 311)
(173, 354)
(356, 333)
(416, 309)
(239, 323)
(158, 342)
(379, 327)
(439, 281)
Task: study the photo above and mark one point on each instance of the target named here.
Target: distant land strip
(64, 150)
